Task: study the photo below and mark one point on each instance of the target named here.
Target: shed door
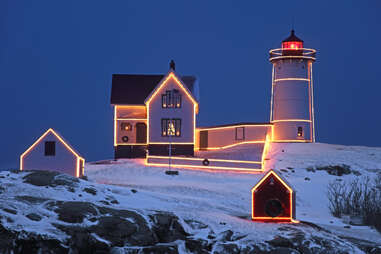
(203, 139)
(141, 133)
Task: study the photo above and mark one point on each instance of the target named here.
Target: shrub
(337, 170)
(359, 197)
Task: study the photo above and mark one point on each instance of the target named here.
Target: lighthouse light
(293, 45)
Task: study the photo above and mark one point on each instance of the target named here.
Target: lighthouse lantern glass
(293, 45)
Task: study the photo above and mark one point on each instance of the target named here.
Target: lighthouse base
(297, 131)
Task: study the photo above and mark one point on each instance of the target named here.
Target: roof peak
(172, 65)
(292, 37)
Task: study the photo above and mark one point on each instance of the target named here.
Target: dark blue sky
(57, 58)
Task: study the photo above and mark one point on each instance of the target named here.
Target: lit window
(164, 101)
(50, 148)
(126, 127)
(240, 133)
(177, 98)
(177, 123)
(171, 127)
(300, 131)
(171, 99)
(164, 127)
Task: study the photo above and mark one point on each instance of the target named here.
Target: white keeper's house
(155, 115)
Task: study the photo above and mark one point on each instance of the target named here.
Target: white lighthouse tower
(292, 108)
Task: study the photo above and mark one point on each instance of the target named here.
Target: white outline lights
(162, 83)
(283, 121)
(289, 190)
(78, 157)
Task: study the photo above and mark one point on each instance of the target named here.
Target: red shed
(273, 199)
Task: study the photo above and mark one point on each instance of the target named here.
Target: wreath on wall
(273, 208)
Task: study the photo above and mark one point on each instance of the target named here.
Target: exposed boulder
(15, 242)
(72, 211)
(83, 241)
(167, 227)
(196, 224)
(90, 190)
(9, 210)
(198, 246)
(225, 236)
(50, 178)
(143, 236)
(33, 216)
(283, 250)
(226, 248)
(280, 241)
(31, 200)
(114, 229)
(160, 249)
(7, 240)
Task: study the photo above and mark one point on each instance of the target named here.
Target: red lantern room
(273, 199)
(292, 45)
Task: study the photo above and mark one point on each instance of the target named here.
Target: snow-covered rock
(127, 207)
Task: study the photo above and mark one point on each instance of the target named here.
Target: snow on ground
(249, 152)
(312, 202)
(223, 199)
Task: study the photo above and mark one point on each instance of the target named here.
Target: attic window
(171, 99)
(50, 148)
(177, 97)
(126, 127)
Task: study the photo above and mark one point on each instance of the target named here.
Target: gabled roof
(60, 138)
(134, 89)
(169, 76)
(277, 175)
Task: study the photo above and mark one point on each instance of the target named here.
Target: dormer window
(171, 99)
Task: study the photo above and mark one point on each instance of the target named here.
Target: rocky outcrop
(50, 178)
(123, 231)
(80, 226)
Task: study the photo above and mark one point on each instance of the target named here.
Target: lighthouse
(292, 107)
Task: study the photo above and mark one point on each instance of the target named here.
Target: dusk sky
(57, 58)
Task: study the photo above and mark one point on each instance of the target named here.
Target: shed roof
(135, 88)
(59, 137)
(277, 174)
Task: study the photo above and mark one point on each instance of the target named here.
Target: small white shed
(52, 152)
